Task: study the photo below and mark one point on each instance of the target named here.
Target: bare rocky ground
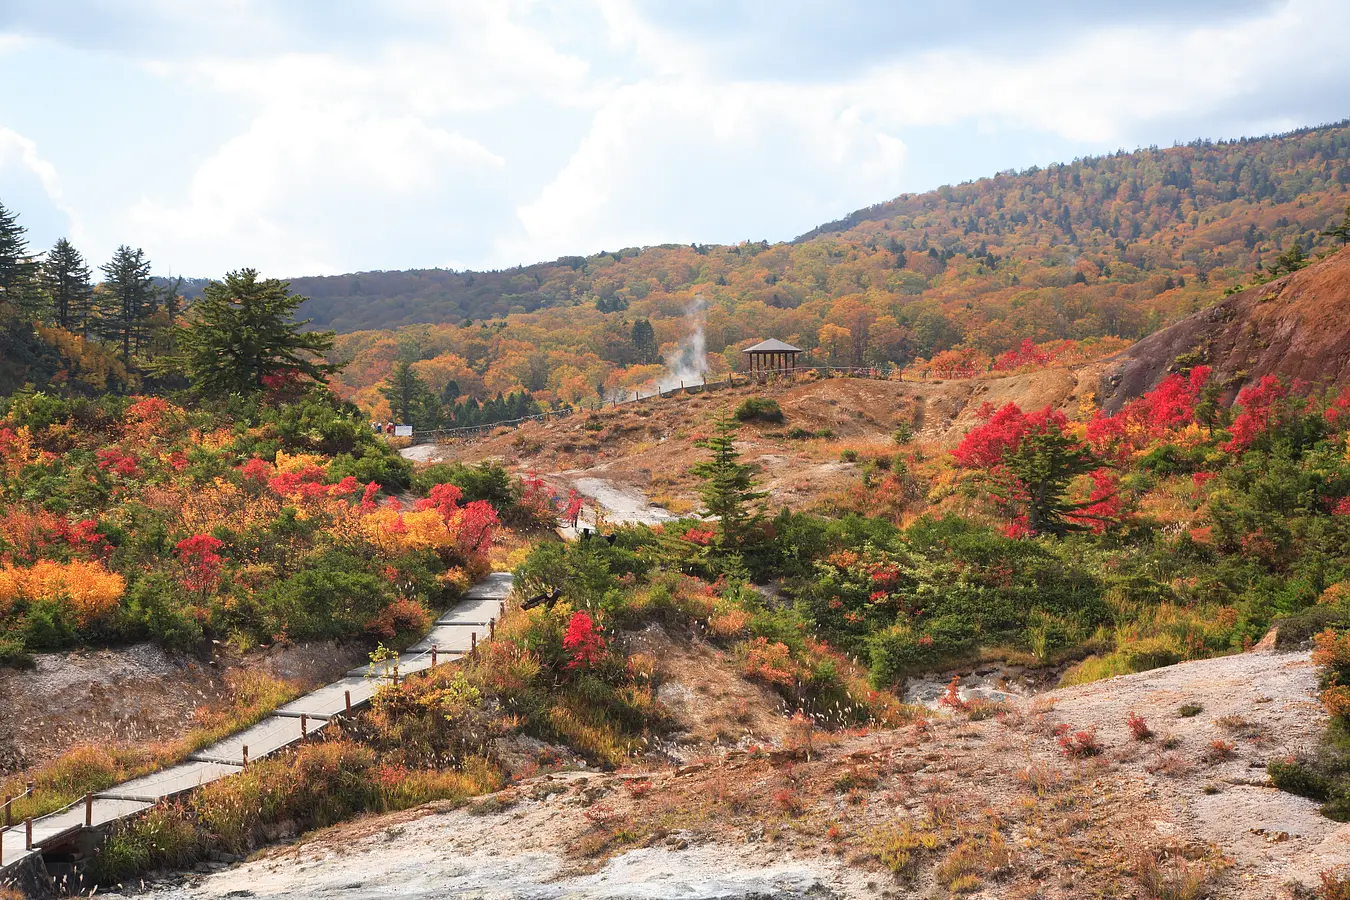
(645, 449)
(132, 695)
(828, 815)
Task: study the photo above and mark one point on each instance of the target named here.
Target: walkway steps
(452, 635)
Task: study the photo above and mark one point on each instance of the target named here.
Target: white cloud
(1105, 84)
(691, 161)
(418, 143)
(20, 153)
(683, 158)
(309, 191)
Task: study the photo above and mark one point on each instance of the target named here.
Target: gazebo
(772, 355)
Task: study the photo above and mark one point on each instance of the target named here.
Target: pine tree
(65, 279)
(19, 293)
(242, 332)
(1341, 232)
(127, 300)
(1291, 260)
(728, 486)
(644, 342)
(407, 395)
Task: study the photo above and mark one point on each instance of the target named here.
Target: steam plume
(689, 363)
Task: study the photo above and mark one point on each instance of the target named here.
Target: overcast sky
(333, 136)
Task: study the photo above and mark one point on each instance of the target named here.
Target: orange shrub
(729, 623)
(771, 662)
(90, 590)
(1331, 650)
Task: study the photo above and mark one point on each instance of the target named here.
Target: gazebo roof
(773, 345)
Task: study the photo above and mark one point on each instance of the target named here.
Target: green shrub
(899, 651)
(154, 606)
(1296, 775)
(1299, 628)
(759, 409)
(334, 596)
(14, 654)
(848, 456)
(904, 433)
(387, 469)
(486, 481)
(47, 625)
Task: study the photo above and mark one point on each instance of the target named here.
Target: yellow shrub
(90, 590)
(298, 462)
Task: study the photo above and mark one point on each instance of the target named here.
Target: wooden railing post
(433, 656)
(88, 810)
(492, 629)
(28, 833)
(304, 727)
(245, 756)
(8, 821)
(501, 609)
(349, 704)
(473, 644)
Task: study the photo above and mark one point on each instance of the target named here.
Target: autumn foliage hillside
(133, 518)
(1066, 257)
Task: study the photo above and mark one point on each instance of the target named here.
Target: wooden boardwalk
(452, 637)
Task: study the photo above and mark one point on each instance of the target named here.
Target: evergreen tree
(19, 293)
(127, 300)
(407, 395)
(243, 332)
(65, 279)
(644, 342)
(1341, 232)
(728, 486)
(1044, 464)
(1291, 260)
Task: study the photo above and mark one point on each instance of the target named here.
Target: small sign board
(402, 431)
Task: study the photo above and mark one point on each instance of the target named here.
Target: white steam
(689, 363)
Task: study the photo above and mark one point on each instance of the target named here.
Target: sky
(306, 138)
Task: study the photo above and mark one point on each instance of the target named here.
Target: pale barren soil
(901, 813)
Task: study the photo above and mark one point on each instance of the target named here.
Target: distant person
(389, 428)
(379, 428)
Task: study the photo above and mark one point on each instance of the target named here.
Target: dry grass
(89, 768)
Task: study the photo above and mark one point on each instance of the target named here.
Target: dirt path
(621, 505)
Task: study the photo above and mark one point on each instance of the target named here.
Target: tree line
(239, 337)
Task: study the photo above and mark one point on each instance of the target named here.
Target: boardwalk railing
(454, 636)
(768, 376)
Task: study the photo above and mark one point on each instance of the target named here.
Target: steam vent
(772, 355)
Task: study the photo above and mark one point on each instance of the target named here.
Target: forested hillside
(1101, 249)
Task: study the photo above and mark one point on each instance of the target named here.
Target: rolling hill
(1075, 258)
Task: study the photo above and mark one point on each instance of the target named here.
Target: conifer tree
(1341, 232)
(728, 486)
(406, 393)
(65, 279)
(644, 342)
(127, 300)
(243, 332)
(18, 268)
